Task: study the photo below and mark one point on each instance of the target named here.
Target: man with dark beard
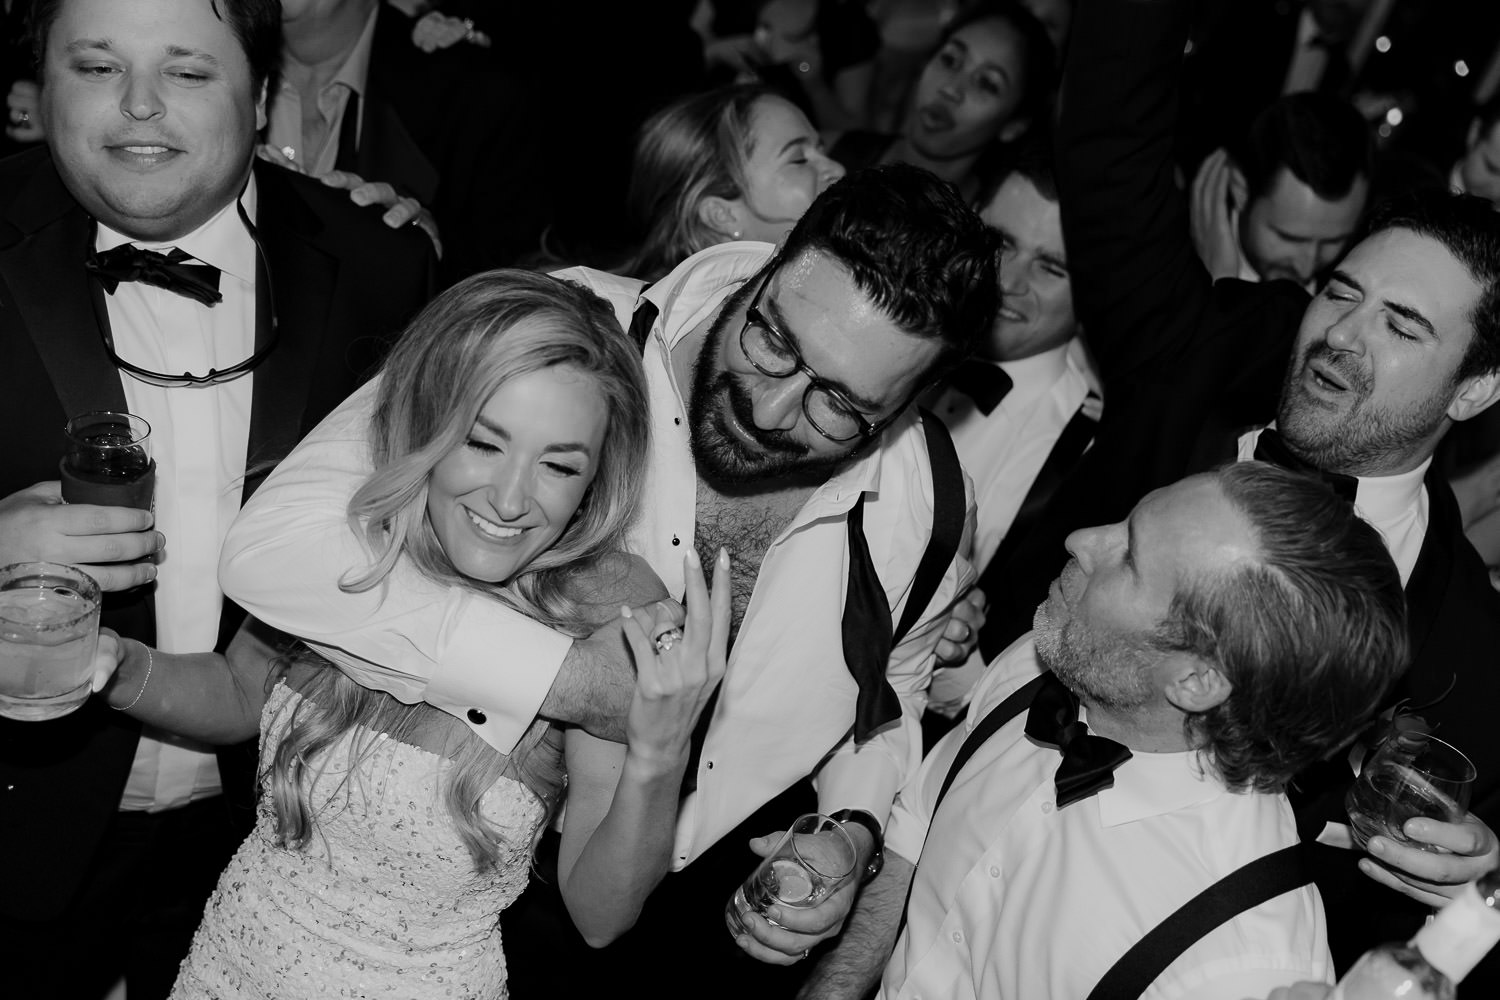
(794, 449)
(1400, 344)
(1131, 753)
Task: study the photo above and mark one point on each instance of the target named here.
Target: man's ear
(1194, 685)
(1475, 395)
(722, 216)
(260, 108)
(1239, 188)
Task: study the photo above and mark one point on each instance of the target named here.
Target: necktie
(984, 383)
(1088, 761)
(867, 634)
(1270, 447)
(170, 271)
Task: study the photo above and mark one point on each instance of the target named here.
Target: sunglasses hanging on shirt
(214, 376)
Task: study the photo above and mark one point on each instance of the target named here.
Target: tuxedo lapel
(303, 276)
(55, 302)
(387, 149)
(1427, 587)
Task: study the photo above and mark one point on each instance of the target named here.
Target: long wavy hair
(455, 355)
(692, 149)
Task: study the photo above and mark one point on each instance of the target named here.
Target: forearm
(853, 968)
(196, 695)
(591, 690)
(627, 854)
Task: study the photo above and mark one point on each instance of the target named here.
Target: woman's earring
(735, 235)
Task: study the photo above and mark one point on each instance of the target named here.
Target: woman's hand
(107, 658)
(676, 672)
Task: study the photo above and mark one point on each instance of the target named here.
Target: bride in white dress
(509, 436)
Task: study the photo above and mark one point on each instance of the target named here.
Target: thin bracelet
(150, 665)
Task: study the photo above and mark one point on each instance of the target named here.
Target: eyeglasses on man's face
(827, 407)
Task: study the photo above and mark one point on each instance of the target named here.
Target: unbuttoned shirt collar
(1156, 784)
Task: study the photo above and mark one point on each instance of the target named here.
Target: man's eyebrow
(1411, 315)
(80, 44)
(1344, 278)
(181, 52)
(775, 315)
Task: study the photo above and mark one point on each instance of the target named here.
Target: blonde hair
(464, 346)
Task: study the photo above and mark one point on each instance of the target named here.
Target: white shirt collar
(221, 241)
(1380, 498)
(1038, 372)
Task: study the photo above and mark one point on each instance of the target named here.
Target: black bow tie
(1271, 447)
(1088, 761)
(170, 271)
(984, 383)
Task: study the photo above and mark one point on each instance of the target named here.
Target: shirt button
(477, 717)
(958, 938)
(676, 540)
(1047, 806)
(677, 421)
(994, 871)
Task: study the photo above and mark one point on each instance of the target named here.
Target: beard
(768, 458)
(1103, 671)
(1364, 439)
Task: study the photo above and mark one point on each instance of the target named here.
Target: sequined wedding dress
(384, 902)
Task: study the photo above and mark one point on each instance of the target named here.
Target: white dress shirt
(1017, 899)
(1005, 449)
(283, 558)
(1396, 506)
(199, 438)
(284, 118)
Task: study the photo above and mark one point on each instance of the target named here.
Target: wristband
(868, 821)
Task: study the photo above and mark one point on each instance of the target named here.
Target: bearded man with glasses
(780, 381)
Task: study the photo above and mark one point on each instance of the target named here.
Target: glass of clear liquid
(1409, 774)
(49, 629)
(813, 858)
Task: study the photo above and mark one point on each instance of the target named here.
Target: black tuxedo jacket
(452, 131)
(1188, 363)
(343, 285)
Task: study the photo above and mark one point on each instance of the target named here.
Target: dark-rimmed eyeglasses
(827, 407)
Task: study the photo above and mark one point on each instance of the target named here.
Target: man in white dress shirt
(780, 381)
(152, 108)
(1237, 626)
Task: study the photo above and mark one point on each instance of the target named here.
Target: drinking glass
(49, 629)
(107, 461)
(1410, 774)
(813, 858)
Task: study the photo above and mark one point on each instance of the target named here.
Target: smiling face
(786, 169)
(1036, 308)
(509, 491)
(150, 111)
(1094, 629)
(749, 428)
(970, 92)
(1371, 387)
(1293, 232)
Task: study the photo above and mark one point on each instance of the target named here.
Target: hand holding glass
(49, 628)
(811, 860)
(107, 461)
(1410, 774)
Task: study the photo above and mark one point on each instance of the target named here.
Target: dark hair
(1039, 78)
(256, 25)
(1031, 158)
(1323, 141)
(1469, 228)
(912, 246)
(694, 148)
(1310, 634)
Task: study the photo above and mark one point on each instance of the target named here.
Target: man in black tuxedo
(115, 840)
(1400, 345)
(446, 127)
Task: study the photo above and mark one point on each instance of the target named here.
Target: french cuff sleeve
(867, 775)
(495, 671)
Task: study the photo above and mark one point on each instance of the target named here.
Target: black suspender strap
(1260, 881)
(1018, 702)
(948, 510)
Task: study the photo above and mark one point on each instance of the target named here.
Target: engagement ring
(668, 639)
(19, 117)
